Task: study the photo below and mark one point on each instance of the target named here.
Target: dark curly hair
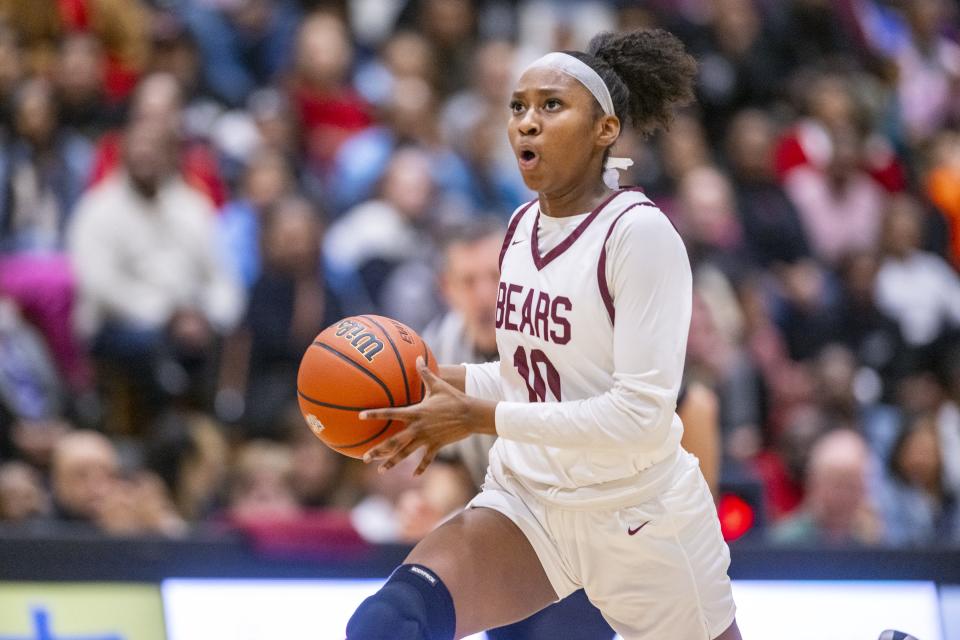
(648, 73)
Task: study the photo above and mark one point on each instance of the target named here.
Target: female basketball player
(588, 485)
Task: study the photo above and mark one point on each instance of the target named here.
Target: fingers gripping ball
(361, 362)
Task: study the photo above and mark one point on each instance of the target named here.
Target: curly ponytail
(648, 73)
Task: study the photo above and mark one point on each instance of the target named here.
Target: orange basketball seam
(347, 359)
(362, 442)
(329, 405)
(396, 352)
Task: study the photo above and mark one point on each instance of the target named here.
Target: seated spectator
(159, 98)
(243, 43)
(771, 225)
(329, 107)
(79, 80)
(23, 497)
(837, 508)
(916, 288)
(708, 221)
(321, 476)
(121, 27)
(739, 64)
(829, 103)
(872, 335)
(154, 287)
(919, 507)
(43, 170)
(377, 237)
(84, 470)
(30, 388)
(261, 486)
(290, 303)
(266, 179)
(190, 455)
(410, 118)
(840, 206)
(928, 64)
(943, 187)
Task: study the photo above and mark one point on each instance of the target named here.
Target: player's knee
(413, 605)
(387, 615)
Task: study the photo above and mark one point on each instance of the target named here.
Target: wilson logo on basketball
(367, 344)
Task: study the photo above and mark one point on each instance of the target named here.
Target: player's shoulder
(634, 213)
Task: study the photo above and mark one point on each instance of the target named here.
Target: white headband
(580, 71)
(585, 75)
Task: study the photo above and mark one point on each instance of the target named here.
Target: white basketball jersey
(555, 333)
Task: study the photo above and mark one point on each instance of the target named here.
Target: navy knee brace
(414, 604)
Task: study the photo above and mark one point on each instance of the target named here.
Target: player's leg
(478, 570)
(732, 633)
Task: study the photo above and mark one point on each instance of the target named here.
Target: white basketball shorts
(655, 570)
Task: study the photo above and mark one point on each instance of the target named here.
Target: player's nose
(530, 123)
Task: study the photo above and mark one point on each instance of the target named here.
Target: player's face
(555, 131)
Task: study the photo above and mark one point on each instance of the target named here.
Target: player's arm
(648, 275)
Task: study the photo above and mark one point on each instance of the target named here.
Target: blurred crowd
(190, 190)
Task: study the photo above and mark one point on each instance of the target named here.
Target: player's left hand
(445, 415)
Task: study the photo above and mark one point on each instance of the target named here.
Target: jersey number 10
(536, 386)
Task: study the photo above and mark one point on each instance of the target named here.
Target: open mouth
(528, 159)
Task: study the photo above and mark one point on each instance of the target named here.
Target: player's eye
(516, 106)
(552, 104)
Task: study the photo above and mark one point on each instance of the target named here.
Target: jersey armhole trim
(512, 229)
(602, 262)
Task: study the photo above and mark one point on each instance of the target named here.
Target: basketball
(361, 362)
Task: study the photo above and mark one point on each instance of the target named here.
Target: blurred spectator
(85, 469)
(79, 80)
(920, 507)
(321, 476)
(918, 289)
(836, 510)
(266, 179)
(190, 455)
(377, 237)
(829, 103)
(928, 68)
(243, 43)
(781, 466)
(872, 335)
(290, 303)
(716, 360)
(43, 170)
(121, 25)
(410, 119)
(771, 225)
(840, 205)
(30, 388)
(474, 119)
(261, 486)
(682, 148)
(11, 69)
(813, 32)
(943, 187)
(739, 67)
(708, 221)
(469, 275)
(159, 99)
(451, 27)
(22, 495)
(329, 107)
(154, 288)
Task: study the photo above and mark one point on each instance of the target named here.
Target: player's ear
(608, 130)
